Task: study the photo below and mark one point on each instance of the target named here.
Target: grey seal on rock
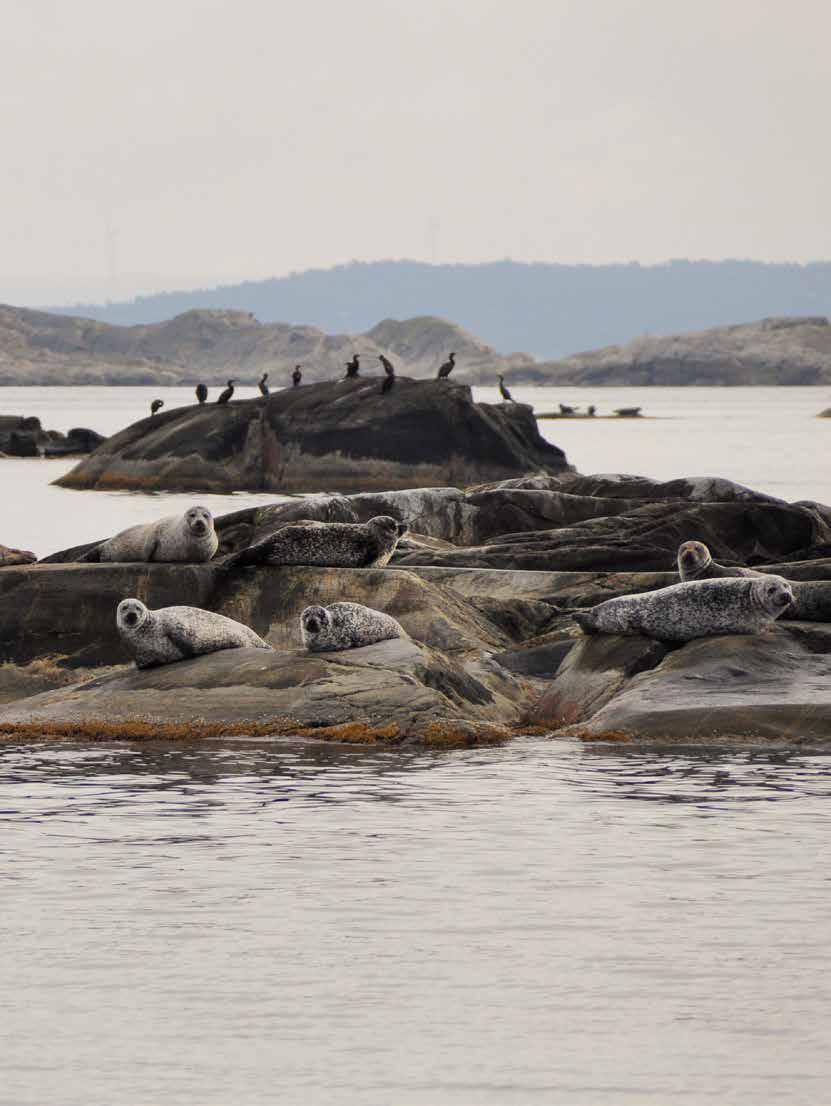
(326, 544)
(188, 538)
(695, 562)
(178, 633)
(698, 608)
(346, 626)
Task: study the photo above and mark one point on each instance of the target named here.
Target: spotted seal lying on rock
(188, 538)
(698, 608)
(178, 633)
(695, 562)
(346, 626)
(325, 544)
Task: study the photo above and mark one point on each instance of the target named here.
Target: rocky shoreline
(485, 585)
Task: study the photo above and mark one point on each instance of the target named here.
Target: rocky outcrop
(22, 436)
(771, 687)
(493, 645)
(785, 350)
(341, 436)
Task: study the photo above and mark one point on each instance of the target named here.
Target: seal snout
(130, 618)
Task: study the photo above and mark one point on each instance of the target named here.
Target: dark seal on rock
(699, 608)
(346, 626)
(325, 544)
(187, 538)
(695, 562)
(178, 633)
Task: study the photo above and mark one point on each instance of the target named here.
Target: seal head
(693, 558)
(773, 594)
(131, 615)
(199, 521)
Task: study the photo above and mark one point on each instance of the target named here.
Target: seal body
(188, 538)
(178, 633)
(699, 608)
(325, 544)
(696, 563)
(346, 626)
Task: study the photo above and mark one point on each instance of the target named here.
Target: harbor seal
(696, 563)
(188, 538)
(325, 544)
(346, 626)
(178, 633)
(698, 608)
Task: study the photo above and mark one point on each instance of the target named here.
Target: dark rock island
(343, 435)
(23, 436)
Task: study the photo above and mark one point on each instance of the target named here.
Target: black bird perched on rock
(201, 393)
(226, 394)
(503, 391)
(592, 410)
(388, 366)
(156, 405)
(353, 367)
(447, 368)
(296, 377)
(262, 385)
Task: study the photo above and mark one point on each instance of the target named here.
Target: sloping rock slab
(392, 691)
(774, 686)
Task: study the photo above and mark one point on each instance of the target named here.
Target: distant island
(781, 350)
(209, 346)
(550, 310)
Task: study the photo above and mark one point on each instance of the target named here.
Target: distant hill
(37, 347)
(771, 351)
(549, 310)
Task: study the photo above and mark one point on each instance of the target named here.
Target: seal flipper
(182, 642)
(586, 621)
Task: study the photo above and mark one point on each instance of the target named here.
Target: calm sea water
(542, 923)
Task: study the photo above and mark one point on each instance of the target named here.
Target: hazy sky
(180, 143)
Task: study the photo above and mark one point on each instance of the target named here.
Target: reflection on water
(539, 923)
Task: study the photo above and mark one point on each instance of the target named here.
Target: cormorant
(296, 376)
(225, 395)
(447, 368)
(592, 410)
(156, 405)
(503, 391)
(263, 386)
(353, 367)
(201, 393)
(388, 366)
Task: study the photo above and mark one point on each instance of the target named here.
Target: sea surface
(548, 922)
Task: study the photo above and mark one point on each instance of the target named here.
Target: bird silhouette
(226, 394)
(296, 376)
(388, 365)
(503, 391)
(447, 368)
(156, 405)
(201, 393)
(262, 385)
(353, 367)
